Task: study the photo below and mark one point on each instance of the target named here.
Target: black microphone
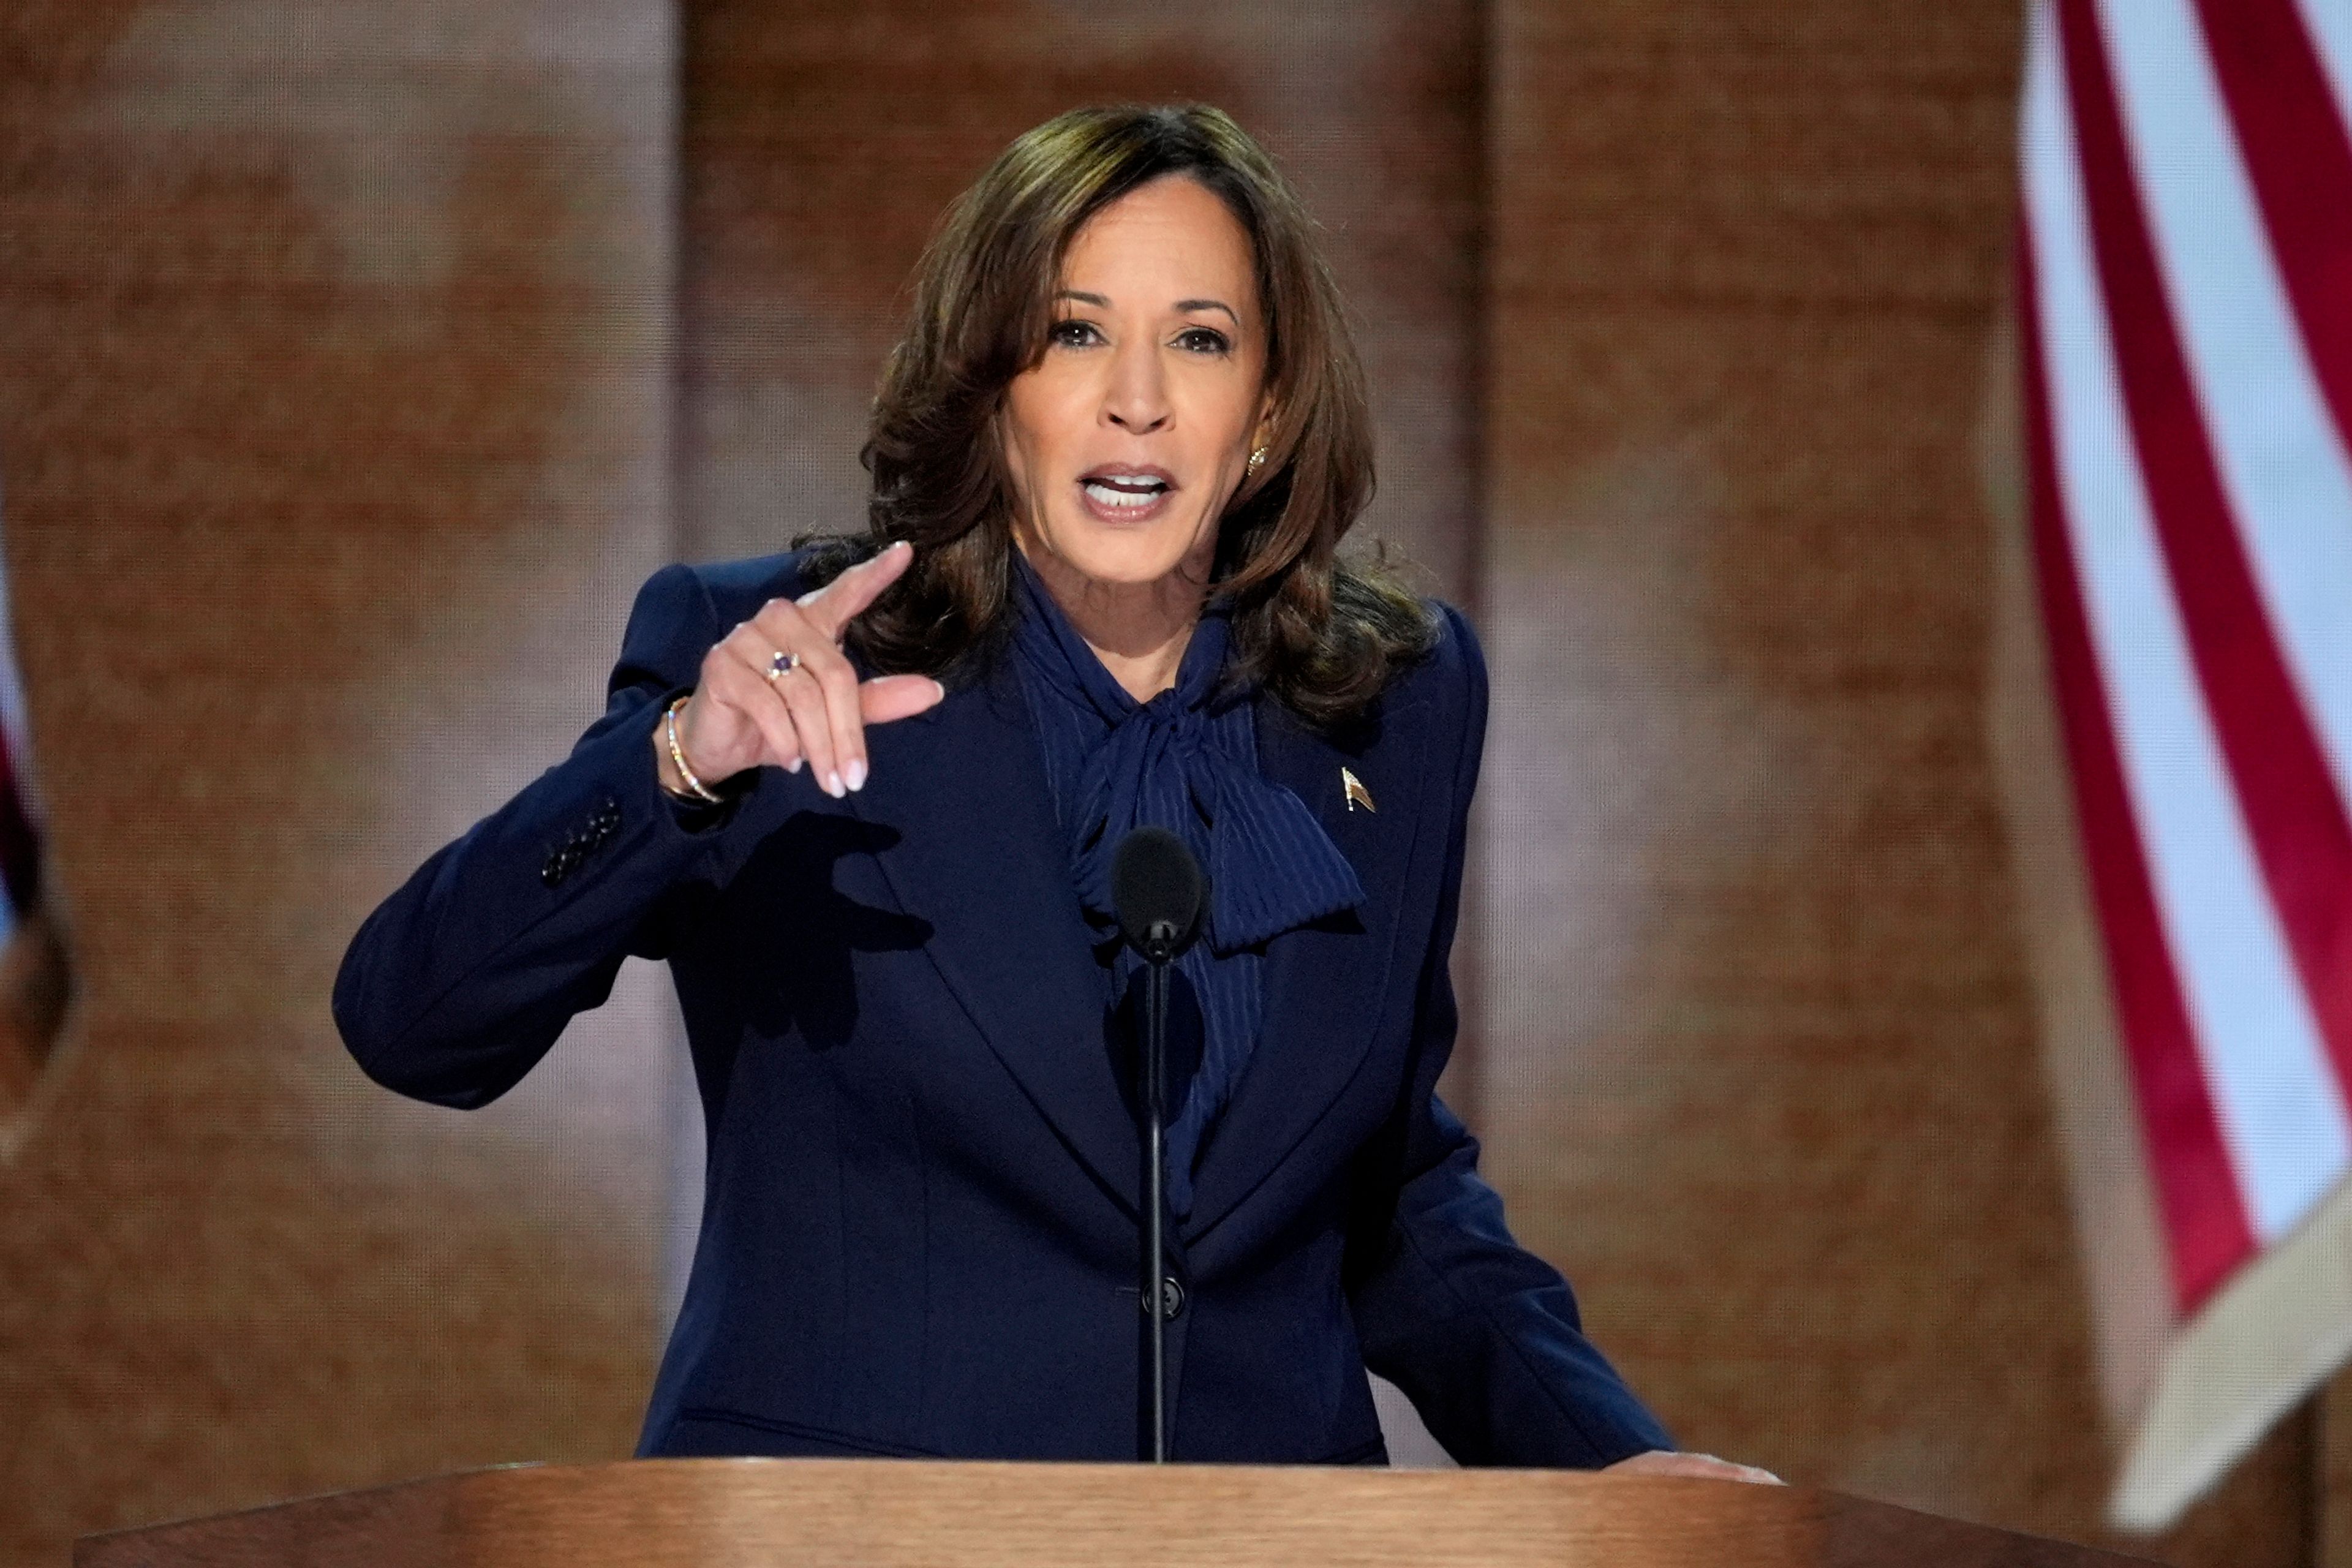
(1159, 891)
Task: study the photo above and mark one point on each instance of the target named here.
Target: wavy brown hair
(1322, 634)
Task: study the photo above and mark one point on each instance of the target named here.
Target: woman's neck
(1138, 630)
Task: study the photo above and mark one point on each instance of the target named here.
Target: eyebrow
(1085, 299)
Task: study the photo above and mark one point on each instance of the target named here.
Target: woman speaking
(864, 798)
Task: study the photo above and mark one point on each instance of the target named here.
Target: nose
(1137, 399)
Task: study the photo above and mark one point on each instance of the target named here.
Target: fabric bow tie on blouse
(1186, 759)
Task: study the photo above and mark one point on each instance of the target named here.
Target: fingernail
(857, 775)
(942, 690)
(793, 767)
(833, 785)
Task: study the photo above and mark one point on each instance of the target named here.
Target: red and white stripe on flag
(2186, 312)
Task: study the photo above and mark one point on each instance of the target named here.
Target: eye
(1073, 334)
(1205, 340)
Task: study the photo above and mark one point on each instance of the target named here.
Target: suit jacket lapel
(1325, 984)
(982, 859)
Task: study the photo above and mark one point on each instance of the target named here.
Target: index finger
(831, 606)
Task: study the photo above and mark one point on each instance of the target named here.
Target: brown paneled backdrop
(357, 361)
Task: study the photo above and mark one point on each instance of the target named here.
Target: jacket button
(554, 871)
(1171, 1298)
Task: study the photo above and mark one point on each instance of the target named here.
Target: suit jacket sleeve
(1482, 1335)
(464, 977)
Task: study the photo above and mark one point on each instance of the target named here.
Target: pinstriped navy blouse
(1187, 761)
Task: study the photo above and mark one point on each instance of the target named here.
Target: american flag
(2186, 314)
(34, 973)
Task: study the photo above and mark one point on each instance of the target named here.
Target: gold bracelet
(703, 792)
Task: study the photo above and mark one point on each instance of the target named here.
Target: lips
(1119, 494)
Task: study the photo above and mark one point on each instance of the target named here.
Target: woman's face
(1126, 440)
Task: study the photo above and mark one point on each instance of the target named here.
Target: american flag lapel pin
(1353, 787)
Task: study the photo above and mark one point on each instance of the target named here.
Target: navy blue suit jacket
(921, 1223)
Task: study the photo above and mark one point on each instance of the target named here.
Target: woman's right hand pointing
(758, 705)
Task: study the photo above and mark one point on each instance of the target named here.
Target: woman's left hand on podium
(1701, 1467)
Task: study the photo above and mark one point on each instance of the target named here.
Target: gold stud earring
(1256, 458)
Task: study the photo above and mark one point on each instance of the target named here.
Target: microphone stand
(1159, 891)
(1155, 1174)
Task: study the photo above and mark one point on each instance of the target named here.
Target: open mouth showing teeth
(1135, 490)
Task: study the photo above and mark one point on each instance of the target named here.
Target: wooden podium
(895, 1513)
